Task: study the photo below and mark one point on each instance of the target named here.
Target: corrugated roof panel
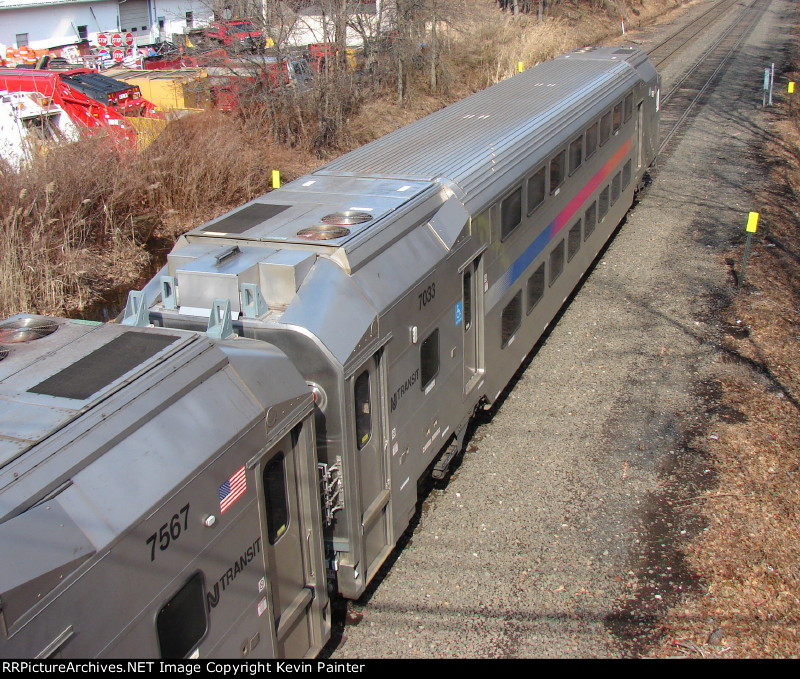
(491, 123)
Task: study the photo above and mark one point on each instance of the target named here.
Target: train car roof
(342, 204)
(496, 124)
(72, 392)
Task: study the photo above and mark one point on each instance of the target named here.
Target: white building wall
(311, 27)
(173, 13)
(56, 24)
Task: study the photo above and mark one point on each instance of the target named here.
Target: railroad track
(661, 53)
(683, 97)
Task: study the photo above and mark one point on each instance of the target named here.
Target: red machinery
(236, 34)
(92, 100)
(320, 54)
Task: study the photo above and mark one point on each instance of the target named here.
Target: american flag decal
(232, 490)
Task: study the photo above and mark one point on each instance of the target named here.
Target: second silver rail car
(404, 282)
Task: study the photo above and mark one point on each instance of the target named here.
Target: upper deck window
(591, 139)
(617, 116)
(536, 191)
(510, 212)
(557, 167)
(575, 154)
(605, 128)
(628, 107)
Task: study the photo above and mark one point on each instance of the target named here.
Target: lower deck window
(589, 220)
(556, 262)
(626, 175)
(181, 623)
(511, 318)
(615, 184)
(602, 205)
(429, 358)
(536, 287)
(574, 240)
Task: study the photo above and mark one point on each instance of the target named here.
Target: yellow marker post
(276, 179)
(520, 67)
(752, 222)
(752, 225)
(790, 89)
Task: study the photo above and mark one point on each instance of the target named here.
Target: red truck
(90, 99)
(235, 34)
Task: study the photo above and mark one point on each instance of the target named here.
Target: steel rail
(710, 16)
(738, 31)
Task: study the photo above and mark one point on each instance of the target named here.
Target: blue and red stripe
(575, 206)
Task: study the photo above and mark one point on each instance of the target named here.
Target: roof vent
(3, 353)
(323, 232)
(26, 329)
(346, 218)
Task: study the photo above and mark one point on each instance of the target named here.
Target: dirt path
(560, 534)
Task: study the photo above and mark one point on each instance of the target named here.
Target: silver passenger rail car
(182, 489)
(409, 278)
(157, 496)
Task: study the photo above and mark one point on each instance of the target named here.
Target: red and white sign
(118, 55)
(102, 39)
(129, 38)
(116, 40)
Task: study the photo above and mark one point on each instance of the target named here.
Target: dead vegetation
(749, 553)
(86, 222)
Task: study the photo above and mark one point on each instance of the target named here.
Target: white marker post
(766, 87)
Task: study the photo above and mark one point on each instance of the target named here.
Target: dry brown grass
(749, 555)
(86, 222)
(78, 221)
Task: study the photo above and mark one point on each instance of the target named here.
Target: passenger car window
(510, 213)
(605, 128)
(575, 154)
(617, 116)
(181, 623)
(628, 107)
(429, 358)
(557, 170)
(591, 139)
(511, 318)
(615, 184)
(276, 498)
(363, 408)
(467, 299)
(536, 190)
(574, 240)
(626, 175)
(602, 205)
(536, 287)
(589, 220)
(556, 262)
